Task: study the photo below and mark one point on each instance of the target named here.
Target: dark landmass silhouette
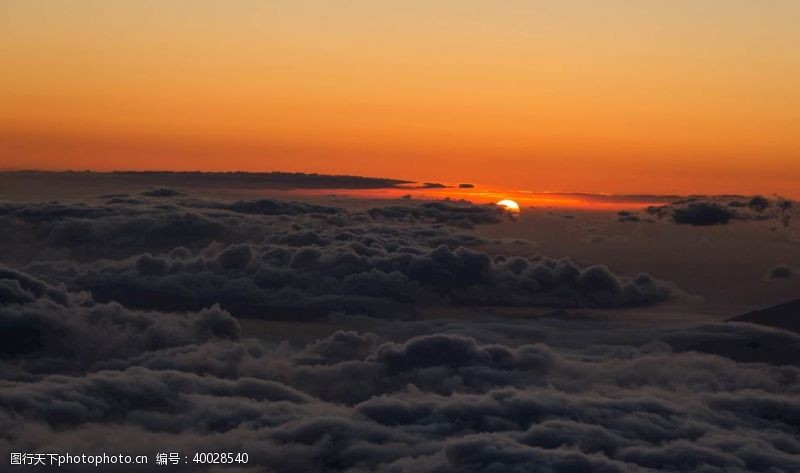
(785, 316)
(242, 180)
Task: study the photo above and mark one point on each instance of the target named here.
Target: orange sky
(656, 96)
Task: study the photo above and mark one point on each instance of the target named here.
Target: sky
(551, 95)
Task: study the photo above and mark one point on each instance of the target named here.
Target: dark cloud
(162, 192)
(44, 327)
(17, 287)
(339, 347)
(86, 232)
(759, 203)
(627, 216)
(277, 207)
(715, 211)
(121, 228)
(464, 215)
(699, 213)
(289, 280)
(781, 271)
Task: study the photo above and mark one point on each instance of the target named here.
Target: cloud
(781, 271)
(433, 402)
(17, 287)
(339, 347)
(714, 211)
(162, 192)
(120, 333)
(277, 207)
(291, 260)
(699, 213)
(464, 215)
(626, 216)
(121, 228)
(497, 453)
(333, 273)
(48, 327)
(759, 203)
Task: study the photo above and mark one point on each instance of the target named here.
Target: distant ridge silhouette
(784, 316)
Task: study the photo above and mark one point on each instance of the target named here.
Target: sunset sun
(509, 205)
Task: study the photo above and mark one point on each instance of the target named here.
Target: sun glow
(509, 205)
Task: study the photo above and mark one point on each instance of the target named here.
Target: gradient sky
(620, 96)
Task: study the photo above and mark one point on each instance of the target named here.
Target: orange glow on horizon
(483, 195)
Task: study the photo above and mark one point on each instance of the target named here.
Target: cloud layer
(274, 259)
(121, 332)
(101, 377)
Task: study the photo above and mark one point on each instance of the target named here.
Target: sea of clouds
(121, 332)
